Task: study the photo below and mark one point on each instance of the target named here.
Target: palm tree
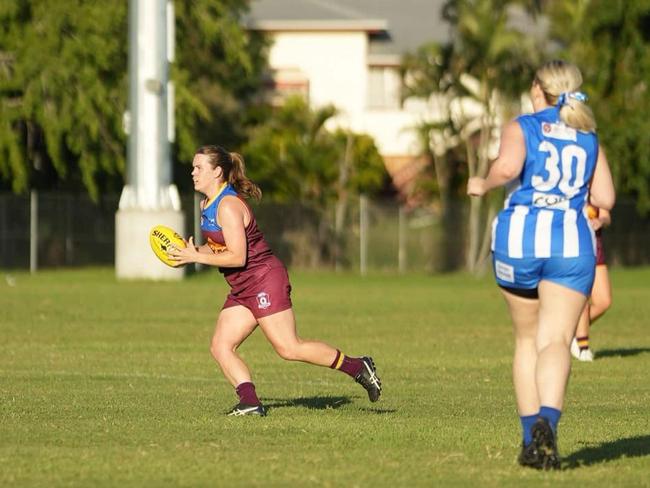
(481, 75)
(295, 158)
(609, 42)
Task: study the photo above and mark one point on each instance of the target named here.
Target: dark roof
(395, 26)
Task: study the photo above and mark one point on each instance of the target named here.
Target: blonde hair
(560, 81)
(234, 170)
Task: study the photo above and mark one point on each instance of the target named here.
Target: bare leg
(601, 294)
(584, 322)
(559, 311)
(280, 330)
(523, 312)
(234, 325)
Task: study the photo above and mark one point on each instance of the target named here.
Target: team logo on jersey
(263, 300)
(549, 200)
(215, 246)
(558, 131)
(211, 222)
(504, 271)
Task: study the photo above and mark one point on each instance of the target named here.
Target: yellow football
(592, 212)
(162, 239)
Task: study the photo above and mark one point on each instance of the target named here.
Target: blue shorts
(575, 273)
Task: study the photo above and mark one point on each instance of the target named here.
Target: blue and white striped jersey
(544, 213)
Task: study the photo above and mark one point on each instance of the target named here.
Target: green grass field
(112, 384)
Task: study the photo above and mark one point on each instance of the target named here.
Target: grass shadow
(312, 403)
(319, 403)
(379, 411)
(632, 351)
(609, 451)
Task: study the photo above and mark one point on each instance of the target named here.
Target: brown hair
(560, 80)
(234, 170)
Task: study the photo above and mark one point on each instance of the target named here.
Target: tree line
(63, 94)
(481, 74)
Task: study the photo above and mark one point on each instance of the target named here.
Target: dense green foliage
(294, 157)
(481, 74)
(111, 384)
(297, 158)
(218, 73)
(478, 76)
(63, 86)
(610, 41)
(62, 90)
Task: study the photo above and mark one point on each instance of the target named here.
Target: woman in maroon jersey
(260, 288)
(601, 293)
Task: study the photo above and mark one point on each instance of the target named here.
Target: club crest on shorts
(263, 300)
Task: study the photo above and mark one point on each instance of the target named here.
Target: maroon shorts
(600, 253)
(268, 293)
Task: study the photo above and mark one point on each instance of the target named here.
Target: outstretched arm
(507, 166)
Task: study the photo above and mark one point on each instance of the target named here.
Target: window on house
(384, 87)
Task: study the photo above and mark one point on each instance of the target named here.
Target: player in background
(543, 245)
(260, 288)
(601, 293)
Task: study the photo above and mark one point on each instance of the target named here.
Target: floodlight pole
(149, 196)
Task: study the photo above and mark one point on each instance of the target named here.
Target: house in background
(348, 53)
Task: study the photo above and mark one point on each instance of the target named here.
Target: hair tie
(577, 95)
(563, 99)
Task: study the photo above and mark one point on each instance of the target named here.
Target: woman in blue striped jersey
(543, 246)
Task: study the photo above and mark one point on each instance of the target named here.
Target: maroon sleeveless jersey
(259, 257)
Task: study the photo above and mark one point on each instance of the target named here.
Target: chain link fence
(373, 235)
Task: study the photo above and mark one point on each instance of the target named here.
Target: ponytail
(234, 170)
(576, 113)
(560, 81)
(238, 179)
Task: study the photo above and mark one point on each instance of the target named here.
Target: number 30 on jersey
(560, 168)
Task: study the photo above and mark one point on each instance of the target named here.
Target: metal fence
(71, 230)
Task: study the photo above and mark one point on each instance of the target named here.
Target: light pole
(149, 196)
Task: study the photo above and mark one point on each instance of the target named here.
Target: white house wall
(336, 65)
(393, 131)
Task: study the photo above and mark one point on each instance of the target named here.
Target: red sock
(247, 395)
(348, 365)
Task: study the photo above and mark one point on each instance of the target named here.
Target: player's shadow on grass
(312, 403)
(610, 353)
(318, 403)
(609, 451)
